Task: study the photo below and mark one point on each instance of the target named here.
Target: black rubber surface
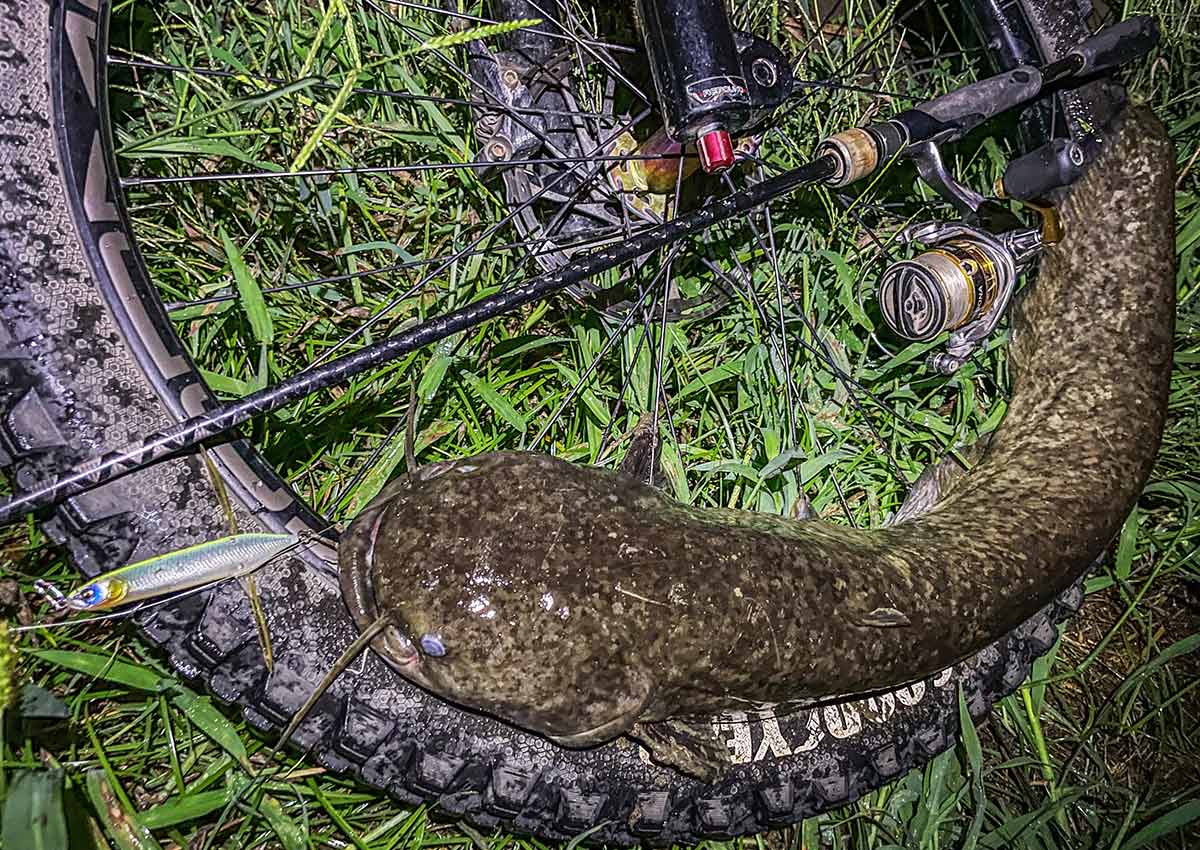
(88, 360)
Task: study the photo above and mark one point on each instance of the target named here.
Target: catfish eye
(432, 645)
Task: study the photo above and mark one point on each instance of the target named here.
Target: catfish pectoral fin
(601, 734)
(803, 509)
(690, 745)
(937, 480)
(643, 459)
(608, 713)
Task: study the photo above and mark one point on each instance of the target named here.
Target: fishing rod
(842, 159)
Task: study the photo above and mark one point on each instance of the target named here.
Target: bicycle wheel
(107, 334)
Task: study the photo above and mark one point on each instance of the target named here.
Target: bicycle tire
(89, 359)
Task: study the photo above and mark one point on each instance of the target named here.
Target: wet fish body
(583, 604)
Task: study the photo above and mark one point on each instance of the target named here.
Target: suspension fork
(698, 75)
(694, 62)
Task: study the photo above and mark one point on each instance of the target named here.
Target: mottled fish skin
(577, 602)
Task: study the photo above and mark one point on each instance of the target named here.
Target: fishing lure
(235, 556)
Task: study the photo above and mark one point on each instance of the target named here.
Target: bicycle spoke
(623, 389)
(887, 250)
(594, 239)
(607, 64)
(875, 92)
(424, 168)
(658, 392)
(834, 9)
(365, 467)
(777, 339)
(862, 56)
(394, 303)
(613, 338)
(748, 292)
(777, 275)
(847, 382)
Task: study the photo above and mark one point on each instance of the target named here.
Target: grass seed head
(8, 666)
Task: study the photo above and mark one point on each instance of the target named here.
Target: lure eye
(432, 645)
(87, 596)
(104, 593)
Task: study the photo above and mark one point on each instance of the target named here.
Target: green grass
(1095, 751)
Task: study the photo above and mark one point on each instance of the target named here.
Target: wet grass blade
(121, 823)
(200, 711)
(184, 808)
(497, 401)
(290, 834)
(106, 667)
(9, 654)
(1164, 826)
(970, 742)
(263, 632)
(249, 292)
(378, 475)
(33, 817)
(235, 105)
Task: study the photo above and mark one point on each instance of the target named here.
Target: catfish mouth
(393, 643)
(397, 648)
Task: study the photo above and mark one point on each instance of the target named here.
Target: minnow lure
(184, 569)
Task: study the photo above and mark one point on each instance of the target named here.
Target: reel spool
(943, 288)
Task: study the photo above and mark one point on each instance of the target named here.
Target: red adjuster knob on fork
(716, 151)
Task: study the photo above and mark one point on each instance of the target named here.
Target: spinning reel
(961, 283)
(963, 280)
